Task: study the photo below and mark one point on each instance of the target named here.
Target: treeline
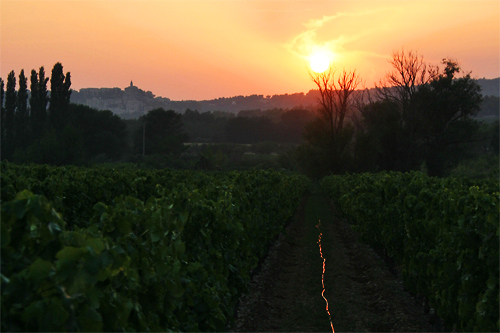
(248, 127)
(46, 128)
(490, 107)
(42, 126)
(421, 117)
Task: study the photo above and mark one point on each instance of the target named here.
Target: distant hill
(490, 87)
(132, 101)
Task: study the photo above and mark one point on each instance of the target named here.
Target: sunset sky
(208, 49)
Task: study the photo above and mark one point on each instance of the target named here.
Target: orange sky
(208, 49)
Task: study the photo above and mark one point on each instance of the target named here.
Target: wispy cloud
(318, 23)
(306, 42)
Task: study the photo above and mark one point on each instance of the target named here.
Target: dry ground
(364, 296)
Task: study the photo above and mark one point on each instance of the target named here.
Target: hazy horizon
(202, 50)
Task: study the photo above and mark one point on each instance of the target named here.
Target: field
(112, 249)
(103, 249)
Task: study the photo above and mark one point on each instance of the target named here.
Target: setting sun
(154, 43)
(320, 61)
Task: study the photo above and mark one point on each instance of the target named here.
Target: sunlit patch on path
(323, 276)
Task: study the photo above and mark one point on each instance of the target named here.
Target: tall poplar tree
(2, 113)
(8, 145)
(59, 97)
(38, 102)
(22, 115)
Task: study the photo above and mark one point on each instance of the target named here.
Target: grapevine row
(155, 250)
(442, 233)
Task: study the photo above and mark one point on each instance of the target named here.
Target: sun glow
(320, 60)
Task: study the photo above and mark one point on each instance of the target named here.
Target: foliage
(21, 120)
(483, 167)
(163, 133)
(442, 233)
(250, 126)
(76, 134)
(60, 93)
(2, 113)
(490, 107)
(102, 131)
(38, 102)
(423, 115)
(495, 137)
(134, 250)
(8, 120)
(327, 148)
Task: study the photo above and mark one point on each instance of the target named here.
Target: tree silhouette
(103, 133)
(410, 73)
(335, 96)
(59, 97)
(10, 108)
(164, 133)
(424, 117)
(2, 114)
(22, 115)
(446, 107)
(328, 137)
(38, 102)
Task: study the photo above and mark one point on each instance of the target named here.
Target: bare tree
(409, 73)
(328, 138)
(336, 96)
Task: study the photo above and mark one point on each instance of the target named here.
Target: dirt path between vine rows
(363, 295)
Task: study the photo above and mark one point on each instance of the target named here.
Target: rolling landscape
(250, 166)
(132, 102)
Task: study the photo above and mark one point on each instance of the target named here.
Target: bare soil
(363, 294)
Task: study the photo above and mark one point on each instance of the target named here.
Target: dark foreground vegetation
(91, 249)
(441, 235)
(113, 250)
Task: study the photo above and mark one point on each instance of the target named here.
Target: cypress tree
(2, 113)
(43, 98)
(59, 97)
(8, 145)
(22, 114)
(38, 102)
(34, 103)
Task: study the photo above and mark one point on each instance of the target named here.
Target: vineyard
(113, 249)
(443, 235)
(103, 249)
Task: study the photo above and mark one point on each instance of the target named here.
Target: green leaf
(155, 234)
(39, 270)
(179, 247)
(97, 245)
(94, 296)
(18, 208)
(71, 253)
(25, 194)
(184, 216)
